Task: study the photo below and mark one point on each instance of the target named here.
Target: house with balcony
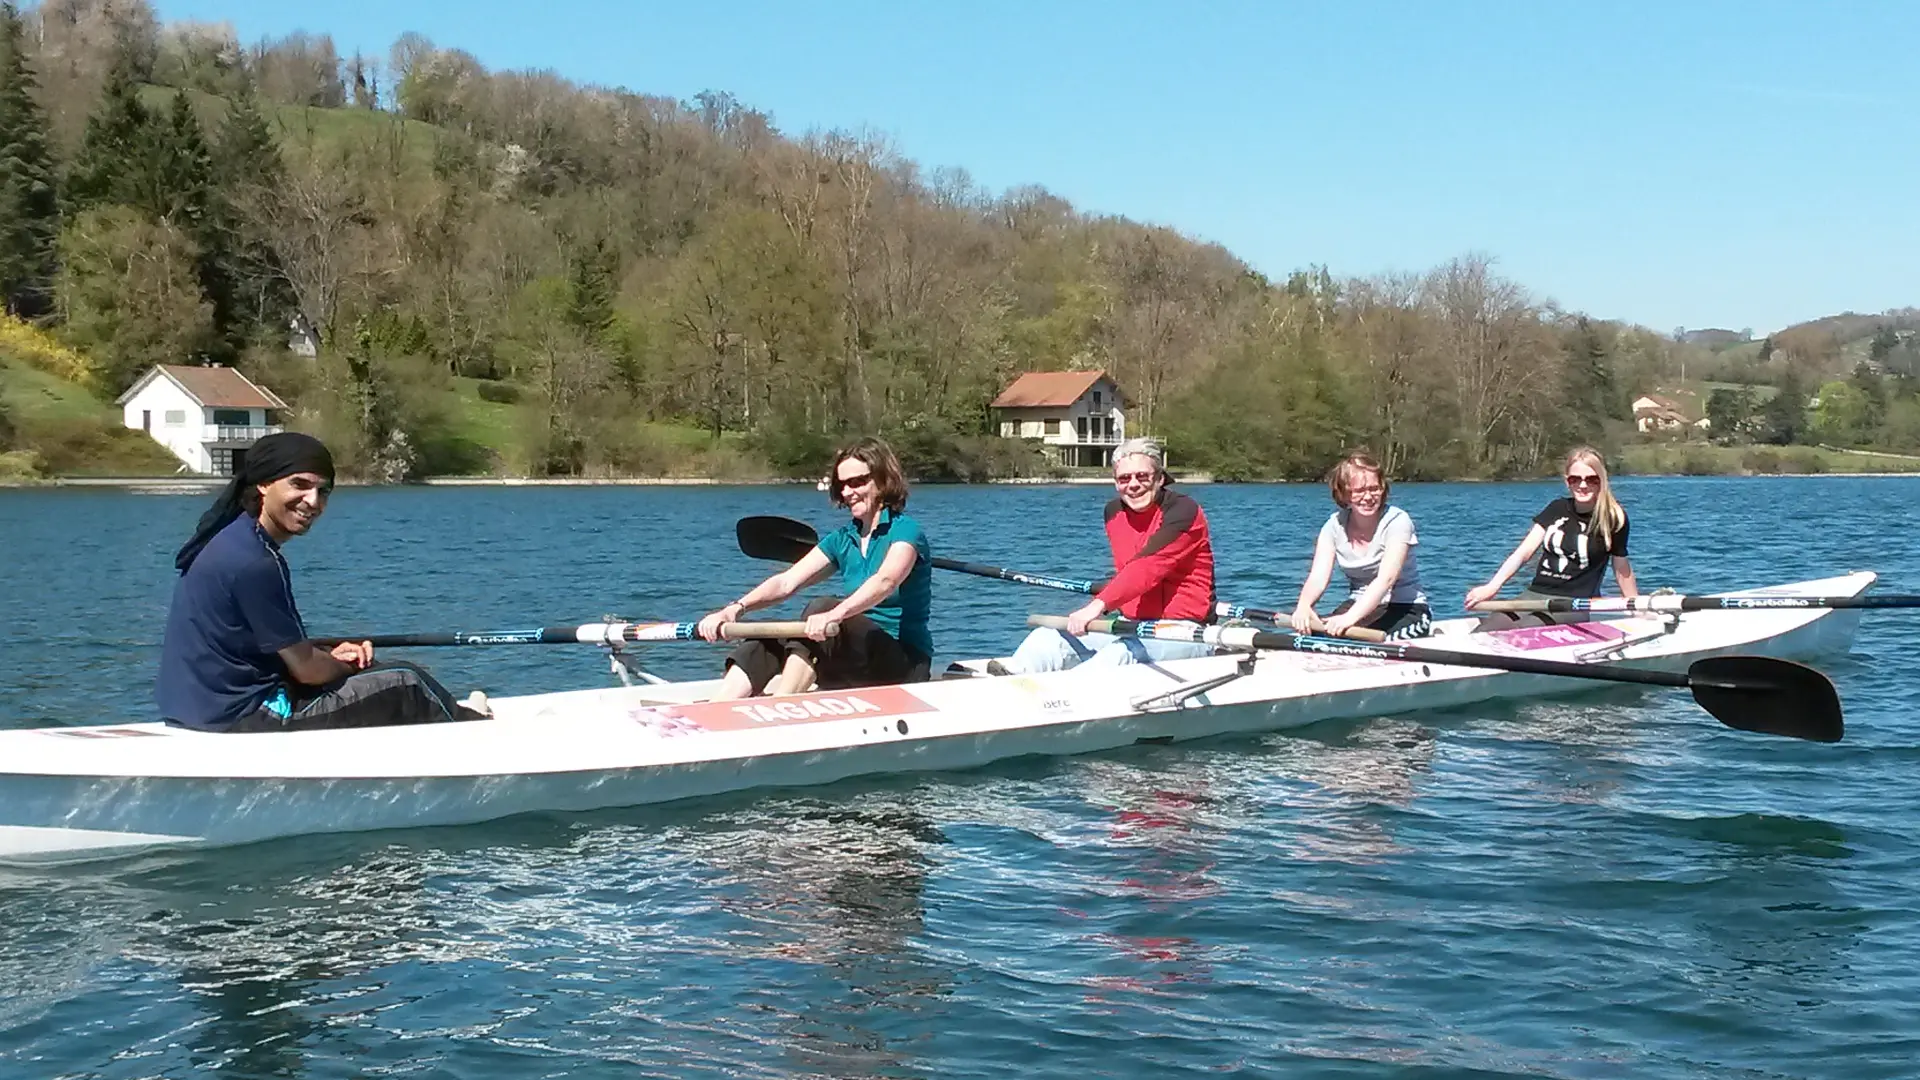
(1653, 413)
(1077, 417)
(208, 416)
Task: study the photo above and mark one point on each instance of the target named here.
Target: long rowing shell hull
(79, 793)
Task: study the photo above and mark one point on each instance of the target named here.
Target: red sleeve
(1182, 529)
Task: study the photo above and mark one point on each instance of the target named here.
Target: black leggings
(1396, 620)
(382, 694)
(861, 654)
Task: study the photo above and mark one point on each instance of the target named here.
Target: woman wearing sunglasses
(886, 580)
(1373, 545)
(1576, 537)
(1163, 563)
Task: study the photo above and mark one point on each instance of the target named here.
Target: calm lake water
(1611, 885)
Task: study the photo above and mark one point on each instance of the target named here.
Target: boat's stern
(1788, 631)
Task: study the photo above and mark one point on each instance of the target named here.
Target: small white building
(1078, 416)
(301, 339)
(1652, 413)
(207, 416)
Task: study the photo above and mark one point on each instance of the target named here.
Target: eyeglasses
(1122, 479)
(1365, 492)
(848, 483)
(1583, 480)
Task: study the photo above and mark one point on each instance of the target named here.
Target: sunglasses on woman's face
(1583, 480)
(849, 483)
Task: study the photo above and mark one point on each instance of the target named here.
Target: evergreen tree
(245, 154)
(182, 193)
(179, 189)
(1587, 386)
(115, 158)
(29, 206)
(1883, 344)
(247, 170)
(1873, 397)
(1785, 416)
(590, 280)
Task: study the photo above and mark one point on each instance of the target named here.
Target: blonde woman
(1373, 545)
(1577, 537)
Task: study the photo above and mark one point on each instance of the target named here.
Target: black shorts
(1396, 620)
(379, 695)
(861, 654)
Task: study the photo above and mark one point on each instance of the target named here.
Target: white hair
(1146, 448)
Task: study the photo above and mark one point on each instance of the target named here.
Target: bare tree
(1491, 340)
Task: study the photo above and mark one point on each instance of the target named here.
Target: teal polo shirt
(904, 614)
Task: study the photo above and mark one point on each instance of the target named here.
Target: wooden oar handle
(1511, 605)
(741, 631)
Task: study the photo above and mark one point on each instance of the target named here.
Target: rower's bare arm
(310, 665)
(1314, 587)
(1392, 560)
(1526, 551)
(893, 571)
(1623, 575)
(812, 566)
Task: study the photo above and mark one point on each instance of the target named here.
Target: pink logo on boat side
(1534, 638)
(875, 703)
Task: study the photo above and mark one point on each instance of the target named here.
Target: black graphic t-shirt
(1573, 559)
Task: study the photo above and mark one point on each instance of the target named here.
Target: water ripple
(1610, 885)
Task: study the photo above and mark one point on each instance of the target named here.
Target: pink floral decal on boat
(1534, 638)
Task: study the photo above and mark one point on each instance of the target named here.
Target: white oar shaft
(1233, 637)
(616, 632)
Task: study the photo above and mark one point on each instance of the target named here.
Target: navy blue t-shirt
(232, 614)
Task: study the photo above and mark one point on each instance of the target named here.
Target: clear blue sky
(1737, 164)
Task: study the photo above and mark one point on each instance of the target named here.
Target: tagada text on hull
(78, 793)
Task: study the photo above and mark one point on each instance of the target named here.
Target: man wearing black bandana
(236, 656)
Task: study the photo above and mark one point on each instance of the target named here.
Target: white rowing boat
(78, 793)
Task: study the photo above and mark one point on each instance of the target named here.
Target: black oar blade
(1768, 696)
(775, 539)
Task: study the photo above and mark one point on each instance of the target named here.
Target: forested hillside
(510, 272)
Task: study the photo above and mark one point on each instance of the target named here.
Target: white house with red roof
(207, 416)
(1653, 412)
(1077, 416)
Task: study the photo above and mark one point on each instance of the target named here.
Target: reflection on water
(1343, 787)
(840, 887)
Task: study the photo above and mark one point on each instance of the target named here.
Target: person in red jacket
(1163, 563)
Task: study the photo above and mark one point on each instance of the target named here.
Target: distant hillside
(507, 271)
(59, 428)
(1716, 339)
(1817, 350)
(321, 130)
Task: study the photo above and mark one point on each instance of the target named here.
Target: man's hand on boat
(357, 653)
(1077, 622)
